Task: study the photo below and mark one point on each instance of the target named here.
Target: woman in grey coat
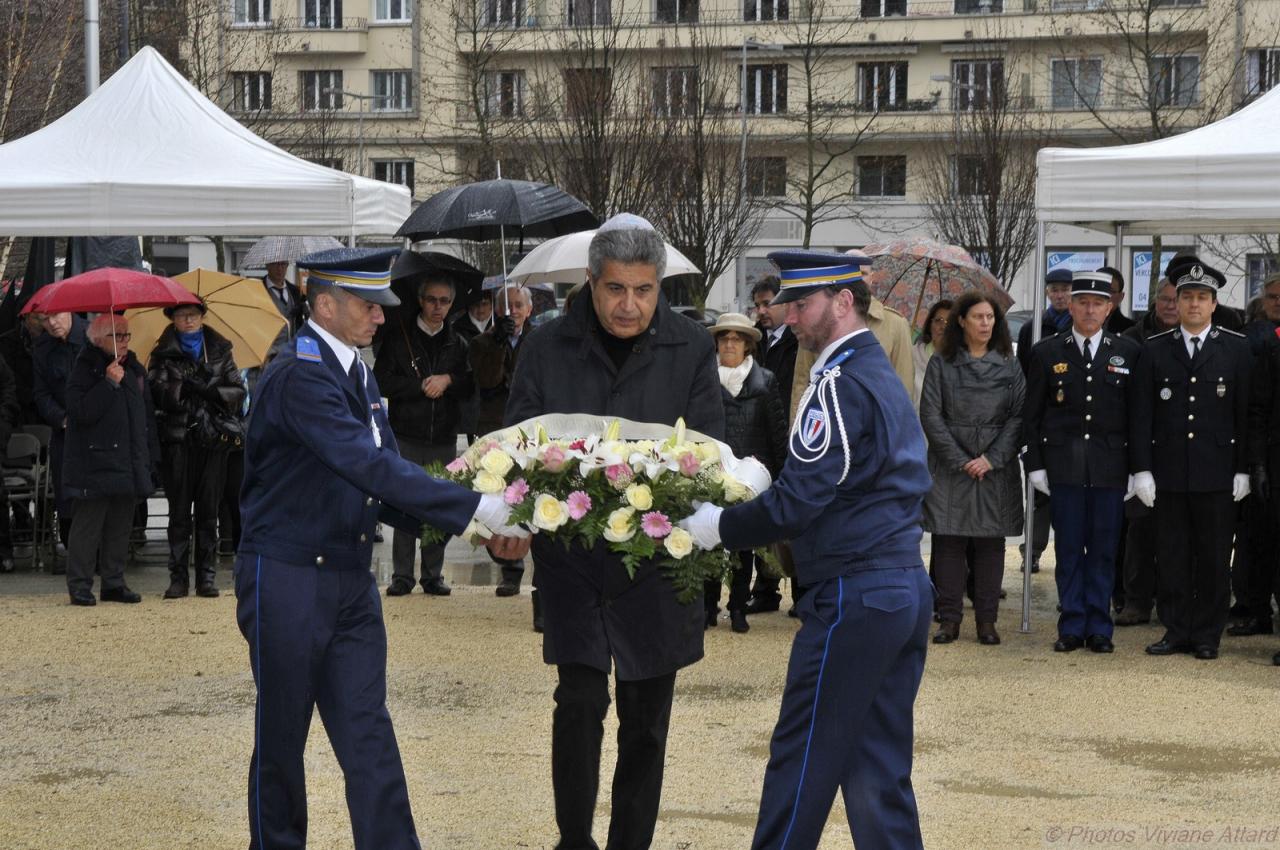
(971, 410)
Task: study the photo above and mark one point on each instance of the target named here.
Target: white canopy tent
(149, 154)
(1213, 179)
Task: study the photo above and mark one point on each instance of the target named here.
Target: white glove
(704, 525)
(1239, 487)
(1040, 481)
(493, 512)
(1128, 489)
(1144, 487)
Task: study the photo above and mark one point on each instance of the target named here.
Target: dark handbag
(212, 428)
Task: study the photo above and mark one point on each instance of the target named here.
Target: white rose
(678, 543)
(619, 527)
(639, 496)
(707, 452)
(735, 490)
(496, 461)
(486, 482)
(549, 513)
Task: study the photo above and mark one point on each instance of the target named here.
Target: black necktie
(1088, 351)
(1195, 347)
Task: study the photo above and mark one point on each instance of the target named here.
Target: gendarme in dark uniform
(849, 498)
(1076, 427)
(1189, 440)
(321, 465)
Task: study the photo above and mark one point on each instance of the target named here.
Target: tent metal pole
(1119, 263)
(1028, 543)
(91, 73)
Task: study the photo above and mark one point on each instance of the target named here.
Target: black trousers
(739, 585)
(63, 505)
(1139, 565)
(229, 510)
(950, 566)
(577, 728)
(99, 539)
(404, 544)
(193, 483)
(1193, 556)
(1257, 543)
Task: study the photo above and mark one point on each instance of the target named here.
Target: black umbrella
(494, 209)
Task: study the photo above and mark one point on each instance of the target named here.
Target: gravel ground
(130, 727)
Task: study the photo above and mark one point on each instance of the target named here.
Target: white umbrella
(285, 249)
(564, 260)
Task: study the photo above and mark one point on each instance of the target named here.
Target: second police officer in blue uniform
(849, 498)
(321, 467)
(1076, 425)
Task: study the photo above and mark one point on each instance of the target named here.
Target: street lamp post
(757, 45)
(359, 121)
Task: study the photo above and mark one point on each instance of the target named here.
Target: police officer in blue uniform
(321, 467)
(1076, 427)
(849, 498)
(1189, 442)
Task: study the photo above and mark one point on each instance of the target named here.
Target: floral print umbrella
(911, 275)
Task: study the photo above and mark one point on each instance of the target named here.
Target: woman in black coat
(198, 391)
(755, 425)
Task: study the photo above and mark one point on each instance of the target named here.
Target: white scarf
(732, 378)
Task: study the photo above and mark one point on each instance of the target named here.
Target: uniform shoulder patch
(1161, 334)
(811, 430)
(308, 348)
(1230, 332)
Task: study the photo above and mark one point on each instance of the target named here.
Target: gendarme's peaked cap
(1091, 283)
(802, 272)
(365, 272)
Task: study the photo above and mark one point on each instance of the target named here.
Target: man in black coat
(1076, 425)
(1190, 447)
(1117, 322)
(54, 355)
(285, 296)
(619, 352)
(424, 373)
(110, 445)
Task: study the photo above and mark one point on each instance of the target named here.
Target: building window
(588, 91)
(504, 94)
(970, 174)
(322, 14)
(321, 90)
(675, 91)
(882, 176)
(975, 82)
(1076, 83)
(334, 162)
(1175, 80)
(766, 10)
(394, 171)
(767, 176)
(883, 8)
(251, 12)
(882, 85)
(391, 10)
(391, 91)
(1261, 71)
(676, 12)
(979, 7)
(766, 89)
(586, 13)
(1157, 3)
(504, 13)
(250, 91)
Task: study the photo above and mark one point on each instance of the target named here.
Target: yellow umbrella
(239, 308)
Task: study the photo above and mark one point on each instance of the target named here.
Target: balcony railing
(343, 24)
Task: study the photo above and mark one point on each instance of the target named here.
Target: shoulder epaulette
(308, 348)
(1162, 333)
(1233, 333)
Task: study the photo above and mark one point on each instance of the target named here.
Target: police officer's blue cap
(1058, 276)
(1091, 283)
(365, 272)
(802, 272)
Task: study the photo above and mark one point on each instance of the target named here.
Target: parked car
(706, 316)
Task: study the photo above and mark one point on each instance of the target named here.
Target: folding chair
(24, 482)
(47, 530)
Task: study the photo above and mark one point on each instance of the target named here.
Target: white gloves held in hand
(1144, 487)
(1239, 487)
(1040, 481)
(704, 525)
(495, 514)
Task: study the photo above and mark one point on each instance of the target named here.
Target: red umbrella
(109, 290)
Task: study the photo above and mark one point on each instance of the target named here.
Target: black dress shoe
(711, 620)
(947, 633)
(437, 588)
(1251, 626)
(1099, 643)
(1206, 653)
(1068, 643)
(1275, 659)
(399, 588)
(1164, 646)
(763, 605)
(987, 634)
(6, 565)
(176, 590)
(83, 597)
(120, 594)
(738, 622)
(507, 588)
(207, 591)
(1132, 617)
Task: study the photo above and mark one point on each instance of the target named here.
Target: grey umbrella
(285, 249)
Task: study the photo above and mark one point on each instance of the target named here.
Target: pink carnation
(515, 492)
(553, 458)
(655, 524)
(619, 474)
(578, 445)
(456, 466)
(579, 504)
(689, 465)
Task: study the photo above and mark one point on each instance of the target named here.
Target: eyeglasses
(121, 337)
(433, 301)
